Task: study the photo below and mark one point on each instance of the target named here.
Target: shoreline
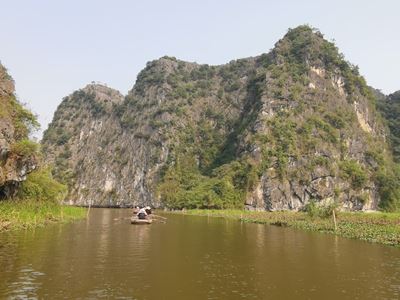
(17, 215)
(377, 227)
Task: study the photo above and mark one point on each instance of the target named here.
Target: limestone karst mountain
(17, 154)
(390, 108)
(276, 131)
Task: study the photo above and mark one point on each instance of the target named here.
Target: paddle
(153, 215)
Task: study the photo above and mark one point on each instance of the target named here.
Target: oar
(161, 221)
(153, 215)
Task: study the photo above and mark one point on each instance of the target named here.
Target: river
(190, 257)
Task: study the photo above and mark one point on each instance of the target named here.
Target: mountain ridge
(275, 131)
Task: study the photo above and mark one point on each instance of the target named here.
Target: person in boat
(148, 210)
(142, 214)
(136, 210)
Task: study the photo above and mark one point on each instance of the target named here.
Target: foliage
(89, 98)
(25, 148)
(203, 170)
(184, 186)
(389, 188)
(24, 120)
(151, 75)
(40, 186)
(63, 138)
(216, 120)
(390, 108)
(378, 227)
(304, 46)
(311, 209)
(283, 140)
(28, 214)
(191, 180)
(314, 209)
(335, 120)
(353, 171)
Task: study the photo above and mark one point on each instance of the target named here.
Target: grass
(29, 214)
(377, 227)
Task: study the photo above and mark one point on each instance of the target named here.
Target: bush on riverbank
(383, 228)
(27, 214)
(40, 186)
(37, 203)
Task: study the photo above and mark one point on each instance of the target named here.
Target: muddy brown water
(190, 257)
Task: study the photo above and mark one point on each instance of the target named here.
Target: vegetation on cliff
(277, 131)
(22, 121)
(28, 193)
(18, 155)
(390, 108)
(308, 130)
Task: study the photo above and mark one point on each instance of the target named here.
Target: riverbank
(376, 227)
(30, 214)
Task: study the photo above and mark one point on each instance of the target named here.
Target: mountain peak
(306, 45)
(276, 131)
(103, 93)
(6, 82)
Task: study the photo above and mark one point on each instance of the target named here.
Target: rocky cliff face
(272, 132)
(15, 160)
(390, 108)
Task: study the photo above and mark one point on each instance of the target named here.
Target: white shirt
(142, 211)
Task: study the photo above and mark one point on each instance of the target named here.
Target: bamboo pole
(334, 218)
(90, 203)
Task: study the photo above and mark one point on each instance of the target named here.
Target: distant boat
(137, 221)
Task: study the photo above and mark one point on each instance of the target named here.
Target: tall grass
(27, 214)
(377, 227)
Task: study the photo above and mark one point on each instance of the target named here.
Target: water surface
(189, 257)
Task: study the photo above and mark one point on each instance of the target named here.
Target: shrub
(325, 211)
(326, 130)
(63, 138)
(183, 186)
(335, 120)
(41, 186)
(232, 86)
(25, 148)
(313, 209)
(24, 121)
(389, 189)
(352, 170)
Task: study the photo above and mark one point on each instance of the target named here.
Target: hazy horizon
(52, 49)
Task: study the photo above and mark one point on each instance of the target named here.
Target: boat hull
(137, 221)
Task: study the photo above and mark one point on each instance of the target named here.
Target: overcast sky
(52, 48)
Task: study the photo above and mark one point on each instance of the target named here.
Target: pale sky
(52, 48)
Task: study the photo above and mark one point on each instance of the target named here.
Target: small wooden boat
(137, 221)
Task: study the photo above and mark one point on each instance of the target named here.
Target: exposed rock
(13, 167)
(294, 125)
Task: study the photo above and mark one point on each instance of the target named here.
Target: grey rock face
(308, 133)
(13, 167)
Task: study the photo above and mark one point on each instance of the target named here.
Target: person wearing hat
(142, 214)
(148, 210)
(136, 210)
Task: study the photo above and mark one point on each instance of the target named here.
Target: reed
(28, 214)
(377, 227)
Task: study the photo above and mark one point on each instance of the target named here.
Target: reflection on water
(26, 285)
(104, 257)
